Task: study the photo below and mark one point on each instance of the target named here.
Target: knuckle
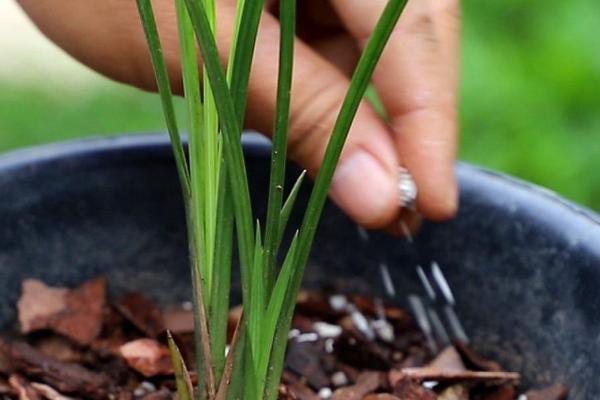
(313, 119)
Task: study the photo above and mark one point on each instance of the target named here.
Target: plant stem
(358, 85)
(232, 148)
(287, 20)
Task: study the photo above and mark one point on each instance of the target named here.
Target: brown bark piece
(502, 393)
(285, 393)
(409, 389)
(65, 377)
(360, 353)
(6, 366)
(381, 396)
(49, 392)
(447, 375)
(59, 348)
(162, 394)
(554, 392)
(305, 359)
(366, 383)
(178, 320)
(301, 392)
(38, 304)
(448, 359)
(5, 387)
(474, 360)
(142, 313)
(22, 388)
(148, 357)
(76, 313)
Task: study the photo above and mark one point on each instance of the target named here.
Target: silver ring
(407, 188)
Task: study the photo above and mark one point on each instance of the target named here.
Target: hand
(416, 81)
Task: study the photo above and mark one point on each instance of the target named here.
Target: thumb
(365, 184)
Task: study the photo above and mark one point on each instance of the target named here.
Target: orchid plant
(217, 200)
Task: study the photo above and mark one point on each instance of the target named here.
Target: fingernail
(364, 188)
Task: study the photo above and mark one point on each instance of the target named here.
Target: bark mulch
(76, 344)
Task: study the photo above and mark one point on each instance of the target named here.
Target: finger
(108, 37)
(446, 16)
(365, 184)
(413, 80)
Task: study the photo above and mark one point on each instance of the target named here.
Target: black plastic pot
(524, 264)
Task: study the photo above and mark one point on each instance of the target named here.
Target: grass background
(529, 99)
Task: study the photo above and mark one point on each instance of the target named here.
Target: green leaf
(273, 313)
(191, 88)
(206, 385)
(185, 389)
(166, 94)
(232, 147)
(243, 54)
(288, 206)
(210, 163)
(287, 21)
(358, 85)
(257, 296)
(237, 387)
(221, 287)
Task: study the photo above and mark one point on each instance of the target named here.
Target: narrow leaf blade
(232, 147)
(224, 385)
(358, 85)
(185, 389)
(288, 206)
(287, 21)
(164, 89)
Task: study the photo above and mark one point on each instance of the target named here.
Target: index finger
(416, 82)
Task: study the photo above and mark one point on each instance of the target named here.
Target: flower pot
(523, 263)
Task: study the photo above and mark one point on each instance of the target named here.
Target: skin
(416, 81)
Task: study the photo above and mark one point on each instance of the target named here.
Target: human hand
(416, 81)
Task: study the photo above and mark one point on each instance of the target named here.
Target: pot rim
(485, 185)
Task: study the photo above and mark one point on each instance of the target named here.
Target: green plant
(216, 194)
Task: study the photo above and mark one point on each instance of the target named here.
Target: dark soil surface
(76, 344)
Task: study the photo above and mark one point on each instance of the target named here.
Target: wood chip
(49, 392)
(305, 359)
(6, 366)
(474, 360)
(366, 383)
(162, 394)
(5, 387)
(65, 377)
(301, 392)
(554, 392)
(448, 375)
(507, 392)
(381, 396)
(76, 313)
(178, 320)
(148, 357)
(409, 389)
(23, 388)
(59, 348)
(142, 313)
(448, 359)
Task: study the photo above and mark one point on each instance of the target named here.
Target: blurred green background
(530, 92)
